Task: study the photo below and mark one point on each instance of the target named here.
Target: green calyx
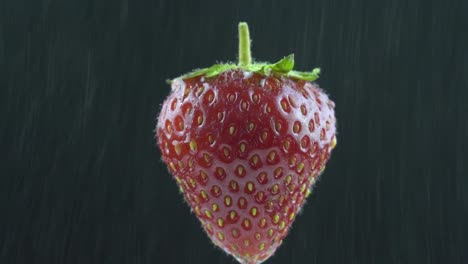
(284, 67)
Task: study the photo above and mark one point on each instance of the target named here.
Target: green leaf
(218, 68)
(285, 65)
(194, 73)
(306, 76)
(256, 67)
(281, 67)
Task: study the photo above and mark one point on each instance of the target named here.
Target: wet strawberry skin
(245, 150)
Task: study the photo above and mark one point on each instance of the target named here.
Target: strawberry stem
(284, 67)
(245, 59)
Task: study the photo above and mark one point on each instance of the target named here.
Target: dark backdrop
(81, 83)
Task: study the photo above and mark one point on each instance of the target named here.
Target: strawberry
(245, 144)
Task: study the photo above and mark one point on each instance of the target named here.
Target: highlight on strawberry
(245, 143)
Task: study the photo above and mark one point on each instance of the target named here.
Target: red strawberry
(246, 143)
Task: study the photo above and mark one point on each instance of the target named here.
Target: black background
(81, 83)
